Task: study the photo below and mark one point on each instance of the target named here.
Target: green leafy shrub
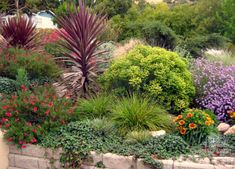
(131, 114)
(27, 116)
(95, 107)
(197, 43)
(7, 85)
(36, 64)
(156, 72)
(195, 125)
(157, 34)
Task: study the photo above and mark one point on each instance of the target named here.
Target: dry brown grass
(123, 49)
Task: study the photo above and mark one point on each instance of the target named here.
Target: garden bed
(36, 157)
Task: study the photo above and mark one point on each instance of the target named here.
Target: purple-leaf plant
(215, 85)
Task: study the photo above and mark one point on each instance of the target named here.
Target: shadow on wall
(4, 150)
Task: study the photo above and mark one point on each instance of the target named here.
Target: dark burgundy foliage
(80, 30)
(19, 32)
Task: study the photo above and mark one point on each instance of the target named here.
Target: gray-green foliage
(7, 85)
(106, 57)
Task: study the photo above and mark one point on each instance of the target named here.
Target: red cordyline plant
(80, 32)
(19, 32)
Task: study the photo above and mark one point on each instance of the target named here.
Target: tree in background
(226, 17)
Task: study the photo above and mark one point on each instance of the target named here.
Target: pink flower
(35, 109)
(4, 120)
(50, 104)
(8, 114)
(47, 112)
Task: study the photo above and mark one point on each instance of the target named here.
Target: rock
(231, 130)
(158, 133)
(223, 127)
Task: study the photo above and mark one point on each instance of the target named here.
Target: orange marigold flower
(189, 115)
(192, 126)
(181, 122)
(207, 123)
(178, 118)
(183, 131)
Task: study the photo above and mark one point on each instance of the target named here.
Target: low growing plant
(135, 113)
(79, 138)
(196, 125)
(26, 117)
(7, 86)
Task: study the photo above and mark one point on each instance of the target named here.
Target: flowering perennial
(28, 115)
(195, 125)
(215, 86)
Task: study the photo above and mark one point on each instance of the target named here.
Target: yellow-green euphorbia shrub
(155, 72)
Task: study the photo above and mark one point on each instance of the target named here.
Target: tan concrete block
(114, 161)
(13, 168)
(13, 149)
(191, 165)
(224, 167)
(224, 160)
(53, 154)
(33, 151)
(26, 162)
(11, 160)
(93, 159)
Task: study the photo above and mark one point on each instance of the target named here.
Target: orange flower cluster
(191, 120)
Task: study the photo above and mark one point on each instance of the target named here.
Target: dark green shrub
(135, 114)
(197, 43)
(157, 34)
(7, 86)
(37, 64)
(155, 72)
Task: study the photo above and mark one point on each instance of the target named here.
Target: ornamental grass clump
(137, 114)
(27, 116)
(195, 125)
(80, 35)
(215, 88)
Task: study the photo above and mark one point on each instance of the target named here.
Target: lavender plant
(215, 86)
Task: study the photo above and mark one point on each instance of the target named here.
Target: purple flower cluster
(215, 85)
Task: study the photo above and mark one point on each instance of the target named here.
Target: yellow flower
(192, 126)
(232, 115)
(207, 123)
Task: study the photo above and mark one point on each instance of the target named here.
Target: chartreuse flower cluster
(195, 125)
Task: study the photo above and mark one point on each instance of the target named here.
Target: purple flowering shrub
(215, 86)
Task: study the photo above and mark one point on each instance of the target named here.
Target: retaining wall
(36, 157)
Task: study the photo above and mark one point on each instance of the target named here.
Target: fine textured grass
(136, 114)
(95, 107)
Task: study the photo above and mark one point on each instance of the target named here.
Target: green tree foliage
(226, 17)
